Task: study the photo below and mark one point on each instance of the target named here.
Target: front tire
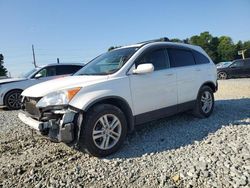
(13, 100)
(204, 102)
(103, 130)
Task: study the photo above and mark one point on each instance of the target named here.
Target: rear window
(200, 58)
(180, 57)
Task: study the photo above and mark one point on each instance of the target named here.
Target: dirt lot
(181, 151)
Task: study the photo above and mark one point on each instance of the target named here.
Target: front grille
(29, 105)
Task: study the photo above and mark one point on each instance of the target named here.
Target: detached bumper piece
(60, 130)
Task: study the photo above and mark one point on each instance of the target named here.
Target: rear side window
(67, 69)
(180, 57)
(159, 58)
(200, 58)
(247, 61)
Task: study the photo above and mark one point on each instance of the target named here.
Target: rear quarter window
(181, 57)
(200, 58)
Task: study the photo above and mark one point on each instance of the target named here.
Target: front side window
(238, 64)
(47, 71)
(159, 58)
(180, 57)
(108, 63)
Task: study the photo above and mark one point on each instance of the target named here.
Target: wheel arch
(118, 102)
(210, 84)
(5, 95)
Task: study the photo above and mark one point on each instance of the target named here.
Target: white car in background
(11, 88)
(95, 108)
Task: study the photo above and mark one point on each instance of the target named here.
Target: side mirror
(144, 68)
(39, 75)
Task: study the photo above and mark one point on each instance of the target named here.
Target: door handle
(198, 69)
(170, 74)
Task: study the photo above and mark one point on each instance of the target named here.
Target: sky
(77, 31)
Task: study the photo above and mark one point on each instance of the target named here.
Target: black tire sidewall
(7, 96)
(87, 129)
(199, 103)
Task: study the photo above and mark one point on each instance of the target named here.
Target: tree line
(3, 70)
(218, 48)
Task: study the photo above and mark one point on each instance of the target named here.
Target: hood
(45, 88)
(9, 80)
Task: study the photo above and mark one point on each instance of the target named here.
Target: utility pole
(242, 53)
(34, 57)
(57, 60)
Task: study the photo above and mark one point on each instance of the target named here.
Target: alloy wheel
(222, 75)
(206, 102)
(107, 131)
(14, 100)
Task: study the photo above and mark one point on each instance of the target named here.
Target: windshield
(224, 64)
(107, 63)
(29, 73)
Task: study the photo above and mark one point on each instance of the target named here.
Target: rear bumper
(61, 130)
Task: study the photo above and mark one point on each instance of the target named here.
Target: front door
(237, 69)
(153, 92)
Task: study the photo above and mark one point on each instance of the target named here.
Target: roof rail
(164, 39)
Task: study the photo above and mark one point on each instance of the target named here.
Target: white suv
(131, 85)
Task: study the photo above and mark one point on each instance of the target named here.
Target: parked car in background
(3, 77)
(238, 68)
(131, 85)
(223, 64)
(11, 88)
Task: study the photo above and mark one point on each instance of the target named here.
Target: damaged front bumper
(60, 129)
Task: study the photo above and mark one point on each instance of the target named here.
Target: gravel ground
(181, 151)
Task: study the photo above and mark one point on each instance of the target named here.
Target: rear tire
(103, 130)
(204, 103)
(13, 100)
(222, 75)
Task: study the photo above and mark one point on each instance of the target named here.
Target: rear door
(183, 63)
(247, 67)
(204, 70)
